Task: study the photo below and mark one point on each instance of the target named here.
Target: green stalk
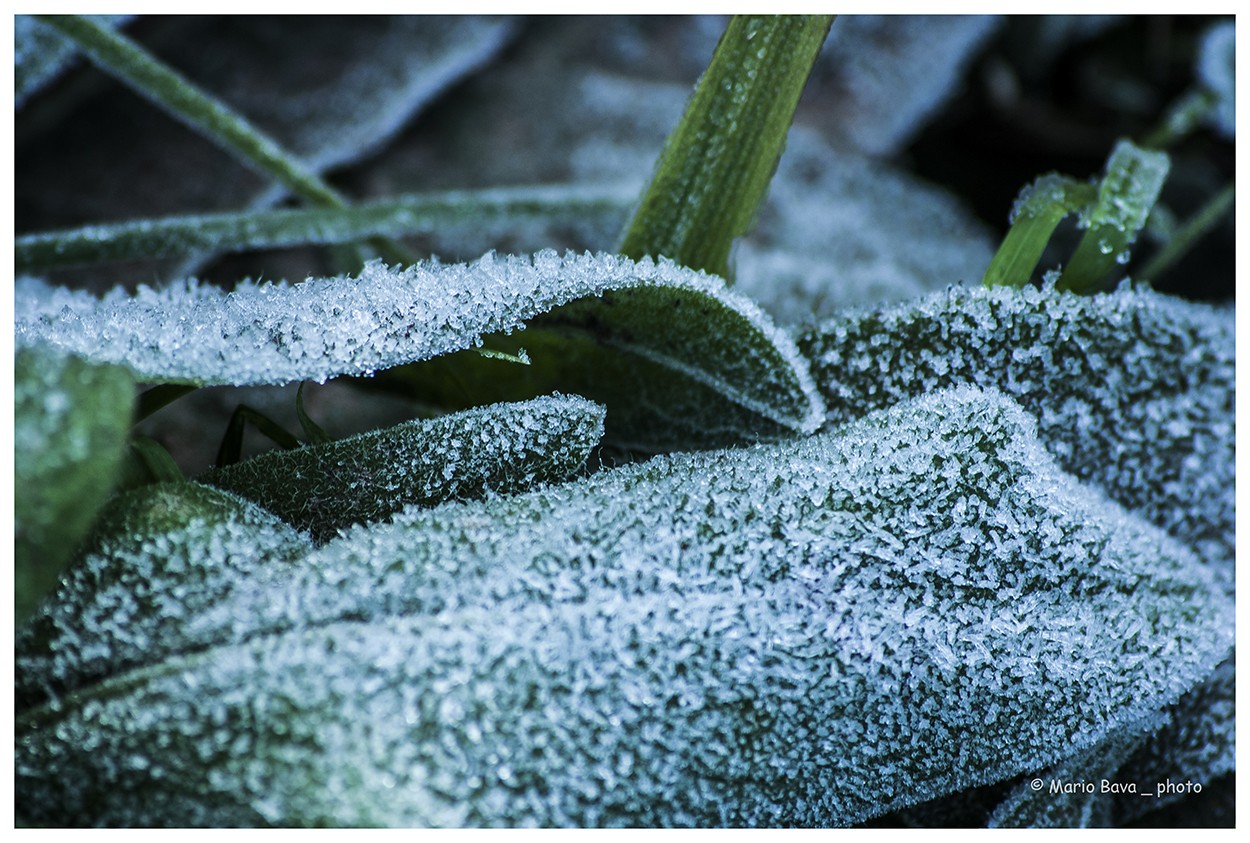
(169, 90)
(716, 165)
(1039, 209)
(1182, 118)
(123, 58)
(1201, 224)
(242, 231)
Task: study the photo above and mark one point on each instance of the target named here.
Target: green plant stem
(1197, 227)
(161, 395)
(231, 448)
(123, 58)
(126, 60)
(235, 232)
(717, 163)
(1039, 210)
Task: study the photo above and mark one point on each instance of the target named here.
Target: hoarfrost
(807, 633)
(324, 327)
(158, 556)
(490, 450)
(1133, 390)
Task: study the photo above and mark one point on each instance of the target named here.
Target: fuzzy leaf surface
(671, 339)
(1133, 390)
(499, 449)
(158, 556)
(806, 633)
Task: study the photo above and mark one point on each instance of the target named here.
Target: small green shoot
(147, 462)
(1127, 193)
(161, 395)
(1039, 209)
(312, 430)
(231, 448)
(1112, 212)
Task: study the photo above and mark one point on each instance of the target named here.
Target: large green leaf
(674, 355)
(69, 433)
(1133, 390)
(489, 450)
(806, 633)
(159, 559)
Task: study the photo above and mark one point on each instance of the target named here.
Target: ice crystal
(490, 450)
(1133, 390)
(811, 633)
(158, 556)
(382, 318)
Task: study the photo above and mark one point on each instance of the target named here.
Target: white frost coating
(1133, 390)
(160, 555)
(276, 333)
(1030, 807)
(1216, 71)
(499, 449)
(829, 235)
(808, 633)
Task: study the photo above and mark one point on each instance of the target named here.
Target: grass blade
(1127, 193)
(123, 58)
(1200, 225)
(717, 163)
(1039, 209)
(243, 231)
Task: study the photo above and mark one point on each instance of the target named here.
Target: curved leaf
(807, 633)
(661, 325)
(490, 450)
(69, 433)
(159, 556)
(1133, 390)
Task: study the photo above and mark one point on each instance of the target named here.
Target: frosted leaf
(1161, 758)
(1072, 794)
(885, 75)
(677, 341)
(159, 556)
(806, 633)
(499, 449)
(1133, 390)
(1216, 72)
(41, 54)
(70, 419)
(1198, 745)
